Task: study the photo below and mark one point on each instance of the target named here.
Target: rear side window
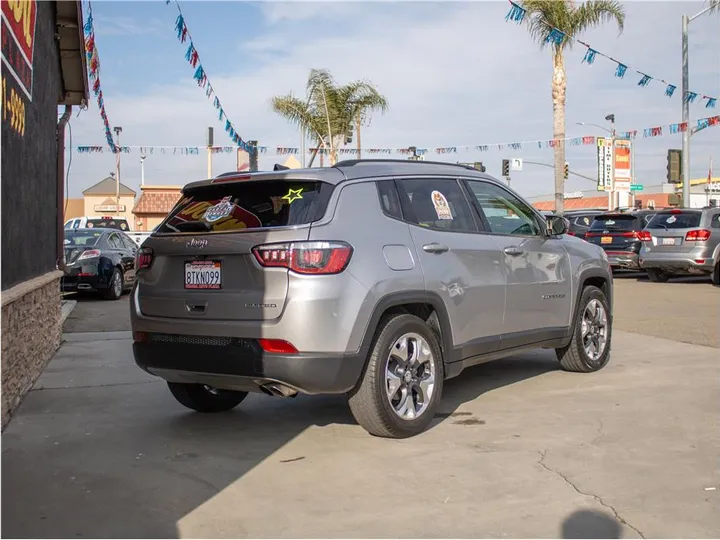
(715, 222)
(436, 203)
(248, 205)
(389, 200)
(85, 238)
(615, 223)
(108, 223)
(679, 220)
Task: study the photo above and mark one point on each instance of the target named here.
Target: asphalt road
(519, 449)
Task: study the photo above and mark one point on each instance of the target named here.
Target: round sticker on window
(671, 219)
(442, 208)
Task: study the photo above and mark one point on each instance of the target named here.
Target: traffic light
(674, 165)
(566, 172)
(506, 167)
(479, 166)
(349, 136)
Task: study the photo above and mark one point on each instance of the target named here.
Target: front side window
(248, 205)
(504, 212)
(436, 203)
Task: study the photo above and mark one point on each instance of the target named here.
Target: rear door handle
(435, 248)
(513, 250)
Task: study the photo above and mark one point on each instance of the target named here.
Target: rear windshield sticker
(442, 208)
(219, 211)
(609, 222)
(671, 219)
(293, 195)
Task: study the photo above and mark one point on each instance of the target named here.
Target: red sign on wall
(18, 40)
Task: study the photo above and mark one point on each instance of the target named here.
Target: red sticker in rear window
(225, 214)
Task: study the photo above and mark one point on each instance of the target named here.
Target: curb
(67, 307)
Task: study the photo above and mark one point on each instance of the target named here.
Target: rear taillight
(89, 254)
(630, 234)
(321, 258)
(699, 235)
(644, 236)
(277, 346)
(144, 258)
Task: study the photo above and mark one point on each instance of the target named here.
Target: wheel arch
(596, 277)
(424, 304)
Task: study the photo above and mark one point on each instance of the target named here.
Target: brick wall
(31, 331)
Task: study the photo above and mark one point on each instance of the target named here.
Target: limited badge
(442, 208)
(219, 211)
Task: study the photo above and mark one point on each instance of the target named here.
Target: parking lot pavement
(100, 449)
(685, 309)
(93, 314)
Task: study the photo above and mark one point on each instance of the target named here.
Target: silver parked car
(682, 242)
(378, 279)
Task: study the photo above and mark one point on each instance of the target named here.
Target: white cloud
(454, 73)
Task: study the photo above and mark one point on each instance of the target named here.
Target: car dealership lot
(520, 449)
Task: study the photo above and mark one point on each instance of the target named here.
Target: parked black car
(99, 260)
(580, 221)
(617, 234)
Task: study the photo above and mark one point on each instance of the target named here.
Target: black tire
(112, 292)
(204, 399)
(573, 356)
(716, 274)
(657, 276)
(369, 401)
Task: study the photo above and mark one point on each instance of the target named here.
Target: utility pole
(686, 104)
(118, 131)
(142, 168)
(685, 114)
(210, 143)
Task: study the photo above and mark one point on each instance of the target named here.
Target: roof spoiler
(279, 167)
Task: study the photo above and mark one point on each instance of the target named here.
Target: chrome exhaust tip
(279, 390)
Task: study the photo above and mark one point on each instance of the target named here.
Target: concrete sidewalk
(100, 449)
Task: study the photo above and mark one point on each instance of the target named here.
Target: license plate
(668, 241)
(203, 275)
(606, 240)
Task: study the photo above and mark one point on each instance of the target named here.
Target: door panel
(464, 268)
(536, 267)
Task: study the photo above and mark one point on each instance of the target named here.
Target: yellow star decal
(293, 195)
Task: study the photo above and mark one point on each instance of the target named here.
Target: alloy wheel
(594, 329)
(410, 376)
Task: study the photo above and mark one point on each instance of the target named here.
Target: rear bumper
(681, 263)
(242, 365)
(72, 283)
(623, 259)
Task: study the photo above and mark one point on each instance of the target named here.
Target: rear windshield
(85, 238)
(248, 205)
(668, 220)
(108, 223)
(614, 223)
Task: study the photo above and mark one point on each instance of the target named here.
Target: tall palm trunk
(559, 86)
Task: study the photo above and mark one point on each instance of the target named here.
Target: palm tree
(542, 16)
(327, 114)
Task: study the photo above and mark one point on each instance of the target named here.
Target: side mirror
(557, 225)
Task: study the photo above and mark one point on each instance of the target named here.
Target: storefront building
(36, 79)
(702, 193)
(154, 204)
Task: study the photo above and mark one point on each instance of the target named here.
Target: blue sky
(455, 73)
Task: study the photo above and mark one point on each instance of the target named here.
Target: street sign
(516, 164)
(636, 187)
(622, 171)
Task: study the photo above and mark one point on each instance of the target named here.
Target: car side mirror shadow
(557, 225)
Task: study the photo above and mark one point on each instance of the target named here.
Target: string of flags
(517, 14)
(93, 62)
(587, 140)
(201, 78)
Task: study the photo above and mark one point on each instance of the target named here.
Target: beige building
(100, 200)
(154, 204)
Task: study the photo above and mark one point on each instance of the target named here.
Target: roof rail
(353, 162)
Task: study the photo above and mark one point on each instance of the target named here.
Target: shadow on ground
(125, 460)
(590, 524)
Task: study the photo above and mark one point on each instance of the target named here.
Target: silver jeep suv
(378, 279)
